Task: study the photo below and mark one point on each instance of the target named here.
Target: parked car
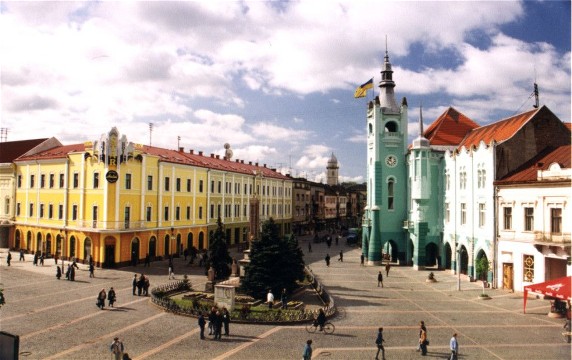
(352, 237)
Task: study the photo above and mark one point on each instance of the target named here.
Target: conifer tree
(275, 264)
(219, 258)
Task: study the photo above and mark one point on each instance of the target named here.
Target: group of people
(217, 319)
(141, 285)
(110, 296)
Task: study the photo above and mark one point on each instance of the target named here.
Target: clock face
(391, 161)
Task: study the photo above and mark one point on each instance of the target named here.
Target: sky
(274, 79)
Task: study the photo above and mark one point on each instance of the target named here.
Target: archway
(134, 251)
(87, 249)
(29, 241)
(390, 251)
(482, 265)
(152, 248)
(166, 246)
(39, 242)
(201, 240)
(58, 245)
(109, 260)
(48, 245)
(464, 260)
(448, 256)
(17, 239)
(72, 246)
(431, 253)
(179, 245)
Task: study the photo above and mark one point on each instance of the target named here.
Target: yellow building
(117, 201)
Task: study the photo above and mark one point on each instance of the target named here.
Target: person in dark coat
(379, 279)
(8, 258)
(91, 270)
(140, 284)
(35, 262)
(111, 297)
(68, 272)
(146, 286)
(22, 255)
(134, 283)
(202, 323)
(101, 299)
(42, 256)
(212, 320)
(58, 272)
(218, 326)
(341, 258)
(72, 272)
(379, 342)
(147, 260)
(226, 321)
(327, 260)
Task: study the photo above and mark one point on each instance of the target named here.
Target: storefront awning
(557, 288)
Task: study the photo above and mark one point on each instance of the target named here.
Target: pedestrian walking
(171, 269)
(284, 299)
(379, 342)
(42, 259)
(147, 260)
(307, 354)
(91, 270)
(218, 326)
(337, 239)
(58, 272)
(380, 279)
(270, 299)
(8, 258)
(212, 320)
(309, 246)
(68, 272)
(327, 258)
(22, 255)
(72, 270)
(134, 283)
(202, 324)
(117, 348)
(423, 342)
(362, 260)
(146, 285)
(56, 258)
(101, 299)
(454, 346)
(35, 261)
(226, 321)
(111, 297)
(341, 258)
(387, 267)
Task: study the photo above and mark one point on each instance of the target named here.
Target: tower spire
(421, 119)
(386, 85)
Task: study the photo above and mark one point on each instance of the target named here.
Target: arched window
(390, 185)
(391, 127)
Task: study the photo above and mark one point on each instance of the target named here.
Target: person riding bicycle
(321, 319)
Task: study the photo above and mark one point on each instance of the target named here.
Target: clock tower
(386, 208)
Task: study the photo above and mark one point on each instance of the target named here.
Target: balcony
(556, 238)
(111, 225)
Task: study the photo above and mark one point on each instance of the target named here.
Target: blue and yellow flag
(361, 91)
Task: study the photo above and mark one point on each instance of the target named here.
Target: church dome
(333, 162)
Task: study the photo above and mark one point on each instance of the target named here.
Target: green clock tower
(386, 208)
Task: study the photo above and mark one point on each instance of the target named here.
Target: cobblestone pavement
(58, 319)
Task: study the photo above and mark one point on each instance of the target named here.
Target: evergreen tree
(219, 258)
(275, 264)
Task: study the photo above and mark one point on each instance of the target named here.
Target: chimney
(256, 164)
(264, 165)
(217, 156)
(242, 161)
(212, 155)
(238, 161)
(250, 163)
(181, 149)
(200, 153)
(191, 151)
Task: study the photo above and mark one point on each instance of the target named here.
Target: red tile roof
(527, 172)
(499, 131)
(450, 128)
(171, 156)
(568, 125)
(10, 150)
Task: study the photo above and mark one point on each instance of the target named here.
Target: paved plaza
(58, 319)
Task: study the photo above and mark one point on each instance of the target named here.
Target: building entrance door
(109, 256)
(507, 276)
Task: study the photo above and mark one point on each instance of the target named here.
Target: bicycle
(328, 327)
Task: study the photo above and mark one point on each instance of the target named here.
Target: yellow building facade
(116, 201)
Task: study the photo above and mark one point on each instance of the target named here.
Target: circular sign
(111, 176)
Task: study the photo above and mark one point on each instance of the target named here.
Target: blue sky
(275, 80)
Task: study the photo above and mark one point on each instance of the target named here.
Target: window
(219, 187)
(61, 181)
(148, 213)
(507, 211)
(19, 181)
(18, 209)
(167, 185)
(178, 184)
(52, 181)
(200, 186)
(149, 182)
(60, 212)
(556, 220)
(75, 180)
(74, 212)
(447, 212)
(390, 194)
(212, 186)
(166, 214)
(178, 213)
(95, 180)
(218, 211)
(127, 181)
(212, 211)
(188, 185)
(482, 215)
(188, 213)
(127, 216)
(200, 212)
(31, 212)
(528, 218)
(463, 213)
(94, 215)
(32, 181)
(7, 206)
(50, 211)
(42, 181)
(527, 268)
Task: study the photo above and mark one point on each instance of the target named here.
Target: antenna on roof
(3, 134)
(536, 100)
(150, 132)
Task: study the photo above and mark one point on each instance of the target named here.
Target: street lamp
(459, 250)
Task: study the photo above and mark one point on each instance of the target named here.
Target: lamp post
(459, 268)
